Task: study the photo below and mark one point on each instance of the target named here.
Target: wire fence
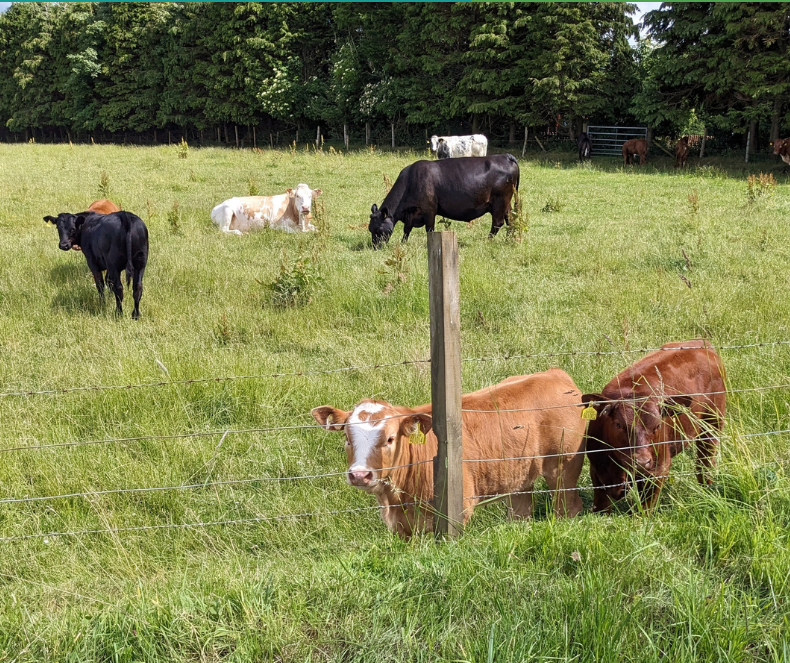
(308, 477)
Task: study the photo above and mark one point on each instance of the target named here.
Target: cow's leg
(602, 503)
(406, 231)
(707, 445)
(138, 291)
(499, 214)
(117, 288)
(519, 507)
(564, 496)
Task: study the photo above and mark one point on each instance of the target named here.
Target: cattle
(782, 149)
(648, 414)
(103, 206)
(681, 152)
(475, 145)
(633, 147)
(585, 146)
(112, 243)
(289, 211)
(458, 189)
(534, 416)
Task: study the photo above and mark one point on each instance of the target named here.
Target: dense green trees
(241, 69)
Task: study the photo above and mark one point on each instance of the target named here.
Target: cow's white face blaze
(434, 143)
(303, 198)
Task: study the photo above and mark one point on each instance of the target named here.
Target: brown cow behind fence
(384, 462)
(682, 152)
(675, 393)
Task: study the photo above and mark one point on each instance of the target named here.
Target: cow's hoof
(136, 315)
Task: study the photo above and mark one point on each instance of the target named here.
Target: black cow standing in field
(585, 146)
(458, 189)
(111, 242)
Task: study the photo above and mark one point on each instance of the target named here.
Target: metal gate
(609, 140)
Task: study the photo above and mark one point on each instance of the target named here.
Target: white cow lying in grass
(289, 211)
(446, 147)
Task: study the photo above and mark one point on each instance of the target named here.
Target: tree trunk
(367, 133)
(571, 129)
(254, 138)
(227, 140)
(512, 136)
(317, 135)
(750, 136)
(649, 138)
(704, 139)
(345, 135)
(168, 137)
(236, 130)
(775, 115)
(392, 125)
(526, 136)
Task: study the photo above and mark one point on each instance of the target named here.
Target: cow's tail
(126, 222)
(514, 161)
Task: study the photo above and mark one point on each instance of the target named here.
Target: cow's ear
(374, 209)
(330, 417)
(408, 425)
(672, 405)
(50, 219)
(384, 212)
(598, 402)
(79, 221)
(289, 191)
(317, 192)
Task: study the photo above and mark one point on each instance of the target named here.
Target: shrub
(252, 187)
(104, 185)
(296, 282)
(553, 205)
(182, 149)
(693, 199)
(174, 218)
(760, 186)
(519, 220)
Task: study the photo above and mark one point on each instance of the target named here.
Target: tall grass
(705, 577)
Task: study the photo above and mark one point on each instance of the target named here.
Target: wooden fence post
(445, 308)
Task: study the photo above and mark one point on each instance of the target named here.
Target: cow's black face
(381, 226)
(68, 225)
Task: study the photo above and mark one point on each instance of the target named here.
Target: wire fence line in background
(251, 480)
(269, 429)
(408, 362)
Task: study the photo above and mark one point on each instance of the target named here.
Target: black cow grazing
(458, 189)
(111, 242)
(585, 146)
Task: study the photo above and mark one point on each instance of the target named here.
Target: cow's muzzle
(360, 478)
(65, 246)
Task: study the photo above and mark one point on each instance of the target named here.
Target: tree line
(249, 73)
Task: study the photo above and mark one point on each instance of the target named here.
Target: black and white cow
(458, 189)
(111, 242)
(445, 147)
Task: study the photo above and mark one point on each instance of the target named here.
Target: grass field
(704, 578)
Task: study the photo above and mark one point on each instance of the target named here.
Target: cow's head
(375, 433)
(623, 436)
(381, 225)
(69, 227)
(434, 143)
(780, 143)
(303, 198)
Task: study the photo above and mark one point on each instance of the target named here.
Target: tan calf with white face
(516, 418)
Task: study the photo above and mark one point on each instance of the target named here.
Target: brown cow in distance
(527, 415)
(648, 413)
(782, 149)
(104, 206)
(633, 147)
(681, 152)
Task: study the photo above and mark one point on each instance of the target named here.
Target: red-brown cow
(531, 416)
(681, 152)
(633, 147)
(782, 149)
(648, 413)
(104, 206)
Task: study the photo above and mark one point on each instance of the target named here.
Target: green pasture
(633, 258)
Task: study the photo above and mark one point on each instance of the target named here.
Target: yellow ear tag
(418, 437)
(589, 413)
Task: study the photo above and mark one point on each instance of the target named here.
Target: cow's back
(528, 417)
(253, 212)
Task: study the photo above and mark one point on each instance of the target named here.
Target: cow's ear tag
(589, 413)
(417, 437)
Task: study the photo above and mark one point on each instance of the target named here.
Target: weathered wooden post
(445, 308)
